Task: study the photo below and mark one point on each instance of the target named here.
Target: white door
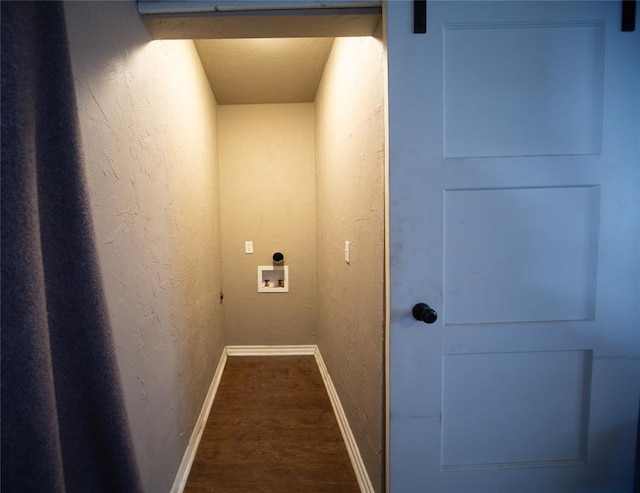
(514, 213)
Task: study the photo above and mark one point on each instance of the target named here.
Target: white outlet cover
(248, 247)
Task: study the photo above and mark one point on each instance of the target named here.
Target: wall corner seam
(192, 447)
(359, 468)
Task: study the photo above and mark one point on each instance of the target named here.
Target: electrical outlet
(248, 247)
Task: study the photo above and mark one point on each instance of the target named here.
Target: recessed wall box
(273, 279)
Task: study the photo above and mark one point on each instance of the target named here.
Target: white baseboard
(190, 453)
(347, 435)
(311, 350)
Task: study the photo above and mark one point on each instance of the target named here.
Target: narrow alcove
(161, 152)
(303, 173)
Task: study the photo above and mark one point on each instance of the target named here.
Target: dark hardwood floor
(271, 429)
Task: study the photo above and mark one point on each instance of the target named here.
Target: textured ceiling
(282, 70)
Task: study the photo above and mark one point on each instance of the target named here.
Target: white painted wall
(148, 127)
(350, 206)
(268, 197)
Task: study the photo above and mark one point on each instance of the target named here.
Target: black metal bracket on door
(419, 16)
(628, 16)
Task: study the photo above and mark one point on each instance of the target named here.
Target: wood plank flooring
(272, 429)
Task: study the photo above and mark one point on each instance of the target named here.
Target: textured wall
(268, 196)
(148, 126)
(350, 206)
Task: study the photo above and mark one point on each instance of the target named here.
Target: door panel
(519, 255)
(479, 390)
(537, 89)
(514, 174)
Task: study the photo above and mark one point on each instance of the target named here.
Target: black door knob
(424, 313)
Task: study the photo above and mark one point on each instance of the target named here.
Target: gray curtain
(64, 425)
